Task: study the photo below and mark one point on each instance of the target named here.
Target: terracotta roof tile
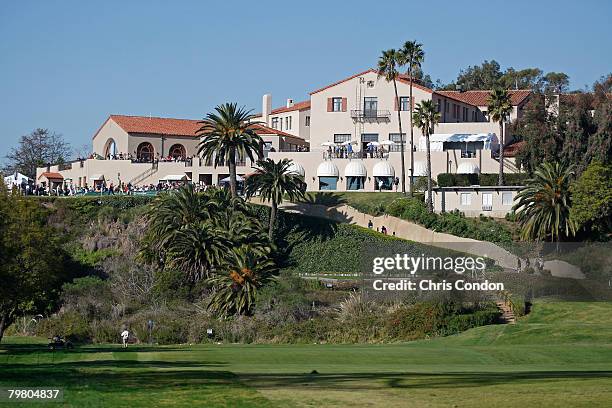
(51, 175)
(480, 98)
(266, 130)
(296, 106)
(512, 149)
(401, 78)
(157, 126)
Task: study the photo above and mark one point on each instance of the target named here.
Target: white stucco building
(345, 118)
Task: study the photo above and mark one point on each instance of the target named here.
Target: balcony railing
(370, 114)
(487, 207)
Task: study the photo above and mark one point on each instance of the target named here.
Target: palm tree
(499, 108)
(426, 117)
(228, 135)
(543, 206)
(388, 64)
(196, 231)
(412, 55)
(236, 290)
(273, 180)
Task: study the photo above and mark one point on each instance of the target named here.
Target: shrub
(71, 325)
(452, 179)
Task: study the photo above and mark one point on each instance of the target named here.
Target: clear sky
(67, 65)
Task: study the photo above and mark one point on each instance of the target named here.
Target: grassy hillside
(538, 362)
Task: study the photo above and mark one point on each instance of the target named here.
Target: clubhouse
(343, 137)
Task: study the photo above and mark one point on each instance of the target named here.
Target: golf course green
(558, 356)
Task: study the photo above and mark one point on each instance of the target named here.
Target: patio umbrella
(348, 142)
(328, 144)
(387, 142)
(227, 179)
(373, 144)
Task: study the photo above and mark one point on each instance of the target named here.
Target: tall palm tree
(543, 206)
(388, 65)
(228, 135)
(273, 180)
(499, 108)
(426, 117)
(412, 54)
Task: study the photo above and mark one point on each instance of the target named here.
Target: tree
(529, 78)
(196, 231)
(484, 76)
(543, 206)
(556, 82)
(426, 117)
(32, 260)
(272, 181)
(388, 68)
(37, 149)
(228, 135)
(499, 108)
(412, 55)
(592, 199)
(235, 290)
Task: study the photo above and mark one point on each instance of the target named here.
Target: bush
(462, 322)
(483, 228)
(71, 325)
(452, 179)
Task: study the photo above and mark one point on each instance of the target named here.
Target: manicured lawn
(558, 356)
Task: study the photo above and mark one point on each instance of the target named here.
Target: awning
(327, 169)
(296, 168)
(174, 177)
(437, 140)
(97, 177)
(383, 169)
(355, 169)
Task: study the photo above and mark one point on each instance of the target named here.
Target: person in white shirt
(124, 337)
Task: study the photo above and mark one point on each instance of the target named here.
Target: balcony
(370, 114)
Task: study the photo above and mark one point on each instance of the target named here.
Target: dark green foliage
(592, 200)
(483, 229)
(461, 180)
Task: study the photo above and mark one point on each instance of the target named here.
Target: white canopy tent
(174, 177)
(15, 179)
(227, 179)
(437, 140)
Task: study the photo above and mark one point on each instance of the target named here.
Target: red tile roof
(512, 149)
(480, 98)
(296, 106)
(401, 78)
(265, 130)
(157, 126)
(51, 175)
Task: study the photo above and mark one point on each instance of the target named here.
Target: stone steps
(507, 312)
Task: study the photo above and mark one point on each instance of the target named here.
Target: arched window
(177, 151)
(145, 151)
(110, 148)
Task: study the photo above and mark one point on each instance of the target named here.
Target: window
(336, 104)
(144, 152)
(404, 103)
(369, 137)
(370, 106)
(288, 122)
(395, 137)
(328, 183)
(370, 84)
(465, 114)
(439, 105)
(342, 137)
(507, 198)
(177, 151)
(307, 121)
(384, 182)
(487, 201)
(466, 198)
(355, 183)
(445, 106)
(274, 123)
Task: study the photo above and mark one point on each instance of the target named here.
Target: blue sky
(67, 65)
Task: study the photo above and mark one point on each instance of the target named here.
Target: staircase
(507, 316)
(144, 175)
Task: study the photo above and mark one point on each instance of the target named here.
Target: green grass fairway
(559, 356)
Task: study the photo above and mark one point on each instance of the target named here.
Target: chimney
(266, 108)
(289, 103)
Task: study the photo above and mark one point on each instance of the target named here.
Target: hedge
(482, 229)
(483, 179)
